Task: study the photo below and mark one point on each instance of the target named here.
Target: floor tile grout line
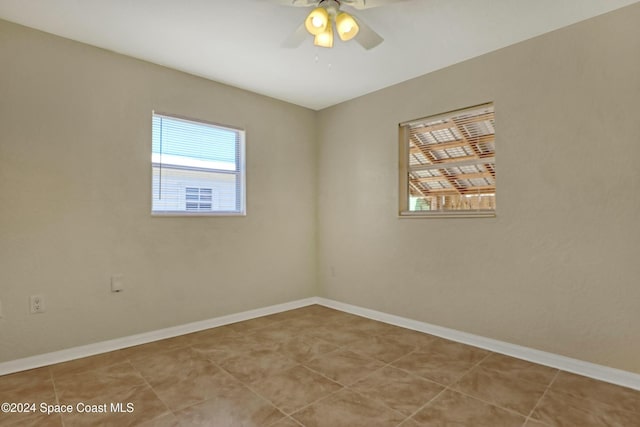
(595, 400)
(450, 388)
(426, 403)
(349, 386)
(316, 401)
(543, 395)
(389, 365)
(477, 398)
(343, 386)
(55, 392)
(153, 391)
(512, 411)
(249, 386)
(446, 387)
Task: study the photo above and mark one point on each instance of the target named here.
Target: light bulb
(325, 38)
(346, 26)
(317, 21)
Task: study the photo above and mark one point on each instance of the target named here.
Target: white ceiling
(238, 41)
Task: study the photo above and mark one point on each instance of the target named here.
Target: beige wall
(75, 182)
(558, 269)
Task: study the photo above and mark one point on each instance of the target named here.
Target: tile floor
(314, 366)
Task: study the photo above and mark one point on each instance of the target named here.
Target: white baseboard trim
(592, 370)
(599, 372)
(145, 337)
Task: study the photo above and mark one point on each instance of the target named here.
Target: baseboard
(592, 370)
(143, 338)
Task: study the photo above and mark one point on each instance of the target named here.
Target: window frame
(200, 201)
(241, 193)
(404, 211)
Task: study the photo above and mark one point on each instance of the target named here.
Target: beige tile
(256, 365)
(144, 350)
(120, 383)
(371, 327)
(303, 348)
(533, 423)
(275, 334)
(97, 382)
(408, 336)
(34, 386)
(167, 420)
(527, 371)
(236, 407)
(344, 366)
(294, 388)
(385, 349)
(88, 363)
(26, 385)
(183, 377)
(286, 422)
(200, 376)
(355, 323)
(505, 390)
(221, 347)
(454, 409)
(333, 335)
(587, 388)
(349, 409)
(563, 410)
(302, 324)
(145, 407)
(35, 419)
(442, 361)
(410, 422)
(397, 389)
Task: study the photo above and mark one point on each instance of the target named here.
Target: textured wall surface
(75, 199)
(557, 269)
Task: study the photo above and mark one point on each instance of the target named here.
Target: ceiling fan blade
(368, 4)
(296, 38)
(298, 3)
(366, 37)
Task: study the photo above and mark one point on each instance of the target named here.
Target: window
(197, 168)
(447, 164)
(199, 199)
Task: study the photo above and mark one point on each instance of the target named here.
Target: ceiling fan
(327, 13)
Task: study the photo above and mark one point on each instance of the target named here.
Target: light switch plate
(117, 283)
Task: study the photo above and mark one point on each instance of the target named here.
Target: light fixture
(317, 21)
(346, 26)
(325, 38)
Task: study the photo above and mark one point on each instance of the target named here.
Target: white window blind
(197, 168)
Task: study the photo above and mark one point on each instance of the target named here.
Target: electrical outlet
(36, 304)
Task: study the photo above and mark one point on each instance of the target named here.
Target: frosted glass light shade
(346, 26)
(317, 21)
(325, 39)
